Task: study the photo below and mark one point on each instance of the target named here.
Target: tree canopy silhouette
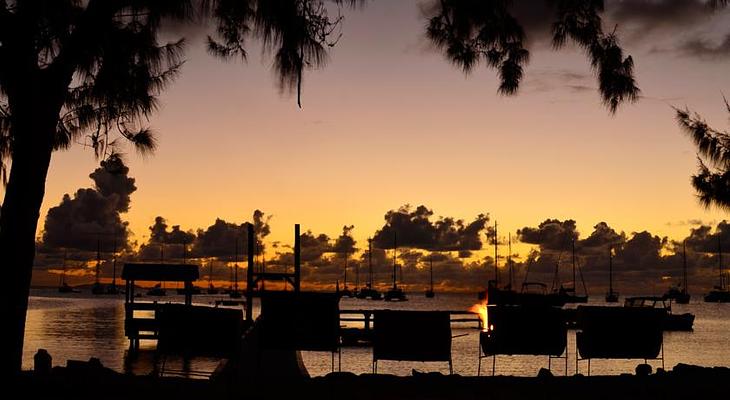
(91, 71)
(712, 181)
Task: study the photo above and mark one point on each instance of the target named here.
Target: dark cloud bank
(642, 261)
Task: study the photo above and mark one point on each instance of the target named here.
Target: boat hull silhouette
(718, 296)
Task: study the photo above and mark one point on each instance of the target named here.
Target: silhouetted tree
(712, 181)
(90, 71)
(470, 31)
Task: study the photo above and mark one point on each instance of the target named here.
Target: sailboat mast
(509, 259)
(370, 262)
(719, 257)
(98, 260)
(684, 266)
(431, 270)
(572, 243)
(114, 262)
(345, 270)
(235, 268)
(496, 271)
(395, 256)
(210, 273)
(63, 275)
(610, 269)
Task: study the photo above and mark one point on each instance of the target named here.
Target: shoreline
(83, 381)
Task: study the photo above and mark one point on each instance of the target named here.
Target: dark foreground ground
(683, 382)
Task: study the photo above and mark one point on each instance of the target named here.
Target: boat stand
(646, 360)
(494, 361)
(451, 367)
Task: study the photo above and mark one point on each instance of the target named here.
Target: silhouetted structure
(369, 291)
(523, 330)
(430, 293)
(192, 331)
(98, 288)
(670, 322)
(680, 294)
(395, 293)
(619, 332)
(345, 292)
(137, 328)
(720, 293)
(612, 295)
(253, 277)
(294, 321)
(412, 336)
(569, 294)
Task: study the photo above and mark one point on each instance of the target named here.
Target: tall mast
(357, 275)
(370, 262)
(575, 284)
(496, 271)
(509, 259)
(431, 268)
(684, 266)
(610, 269)
(719, 253)
(63, 275)
(210, 273)
(98, 260)
(235, 268)
(395, 256)
(114, 262)
(345, 270)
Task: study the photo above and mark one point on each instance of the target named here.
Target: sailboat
(679, 293)
(113, 289)
(505, 295)
(345, 292)
(612, 295)
(98, 288)
(63, 286)
(369, 292)
(720, 293)
(430, 293)
(395, 293)
(569, 293)
(235, 293)
(159, 289)
(211, 288)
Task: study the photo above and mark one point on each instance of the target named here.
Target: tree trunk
(33, 126)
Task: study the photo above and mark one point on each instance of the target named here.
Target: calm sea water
(79, 326)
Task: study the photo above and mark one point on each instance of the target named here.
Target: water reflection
(78, 328)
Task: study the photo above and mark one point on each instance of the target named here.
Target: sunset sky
(389, 121)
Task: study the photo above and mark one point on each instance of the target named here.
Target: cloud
(160, 234)
(703, 240)
(345, 244)
(602, 236)
(551, 234)
(166, 244)
(414, 229)
(93, 215)
(706, 49)
(314, 247)
(221, 239)
(641, 252)
(648, 16)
